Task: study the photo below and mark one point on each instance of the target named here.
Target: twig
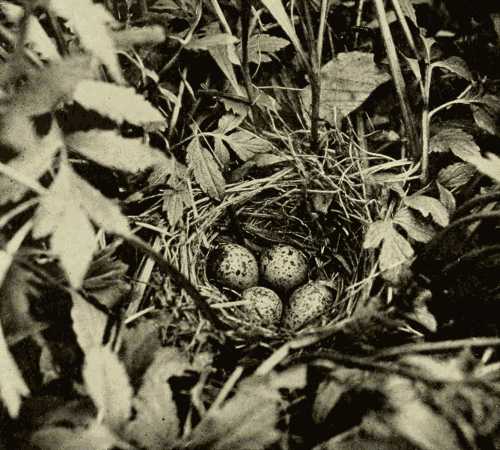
(442, 346)
(179, 278)
(246, 9)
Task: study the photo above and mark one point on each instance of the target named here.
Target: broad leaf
(119, 103)
(109, 149)
(248, 421)
(278, 11)
(12, 385)
(414, 227)
(97, 436)
(260, 46)
(104, 212)
(72, 234)
(246, 145)
(347, 81)
(90, 22)
(107, 383)
(133, 36)
(206, 170)
(221, 55)
(429, 206)
(460, 143)
(88, 324)
(212, 40)
(156, 425)
(456, 65)
(489, 165)
(35, 153)
(175, 203)
(487, 114)
(456, 175)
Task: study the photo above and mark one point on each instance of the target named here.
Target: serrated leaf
(456, 175)
(104, 212)
(446, 198)
(206, 170)
(260, 45)
(222, 56)
(89, 323)
(36, 37)
(460, 143)
(347, 82)
(246, 422)
(72, 235)
(375, 234)
(12, 385)
(414, 227)
(119, 103)
(35, 153)
(228, 122)
(156, 425)
(487, 114)
(456, 65)
(489, 165)
(47, 88)
(429, 206)
(109, 149)
(97, 436)
(175, 203)
(107, 384)
(212, 40)
(246, 145)
(278, 11)
(221, 152)
(89, 20)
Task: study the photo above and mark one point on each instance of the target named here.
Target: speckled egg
(307, 303)
(235, 267)
(264, 305)
(283, 267)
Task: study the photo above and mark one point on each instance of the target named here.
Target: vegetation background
(139, 136)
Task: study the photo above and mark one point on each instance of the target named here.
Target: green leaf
(119, 103)
(12, 385)
(456, 65)
(221, 55)
(206, 170)
(347, 82)
(90, 22)
(429, 206)
(97, 436)
(107, 383)
(156, 425)
(245, 422)
(414, 227)
(489, 165)
(246, 144)
(109, 149)
(460, 143)
(175, 203)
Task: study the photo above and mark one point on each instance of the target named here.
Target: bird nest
(316, 203)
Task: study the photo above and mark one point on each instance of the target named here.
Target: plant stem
(246, 9)
(179, 278)
(315, 78)
(397, 78)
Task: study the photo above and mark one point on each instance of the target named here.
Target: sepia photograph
(249, 225)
